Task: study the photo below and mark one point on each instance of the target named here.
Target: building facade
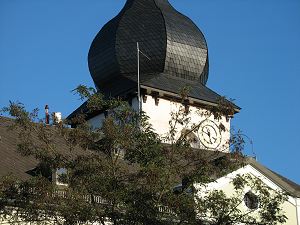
(147, 55)
(172, 55)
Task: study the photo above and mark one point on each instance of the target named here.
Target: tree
(123, 173)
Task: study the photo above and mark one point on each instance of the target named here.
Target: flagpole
(138, 77)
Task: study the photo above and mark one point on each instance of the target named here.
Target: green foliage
(123, 172)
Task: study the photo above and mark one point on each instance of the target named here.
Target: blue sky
(254, 49)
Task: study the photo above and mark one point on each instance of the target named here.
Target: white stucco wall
(289, 207)
(297, 200)
(160, 115)
(97, 121)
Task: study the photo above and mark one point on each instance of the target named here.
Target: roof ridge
(288, 185)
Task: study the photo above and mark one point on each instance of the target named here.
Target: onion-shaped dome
(176, 47)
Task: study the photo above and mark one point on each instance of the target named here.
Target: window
(251, 200)
(190, 137)
(61, 176)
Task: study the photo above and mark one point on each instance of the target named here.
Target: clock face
(209, 134)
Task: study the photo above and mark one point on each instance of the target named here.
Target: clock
(209, 134)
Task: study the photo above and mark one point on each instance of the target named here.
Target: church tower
(174, 56)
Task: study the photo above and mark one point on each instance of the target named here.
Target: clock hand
(207, 132)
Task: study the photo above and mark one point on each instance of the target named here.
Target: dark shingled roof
(22, 167)
(196, 91)
(11, 162)
(291, 187)
(174, 44)
(160, 82)
(176, 47)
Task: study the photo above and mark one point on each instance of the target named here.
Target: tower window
(190, 137)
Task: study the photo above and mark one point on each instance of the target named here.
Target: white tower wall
(160, 116)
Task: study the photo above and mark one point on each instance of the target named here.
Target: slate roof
(11, 162)
(174, 44)
(196, 91)
(160, 82)
(176, 47)
(291, 187)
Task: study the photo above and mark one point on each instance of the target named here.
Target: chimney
(47, 114)
(56, 117)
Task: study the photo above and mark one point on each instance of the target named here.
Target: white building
(173, 55)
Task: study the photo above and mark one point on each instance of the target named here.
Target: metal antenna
(138, 78)
(144, 55)
(138, 72)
